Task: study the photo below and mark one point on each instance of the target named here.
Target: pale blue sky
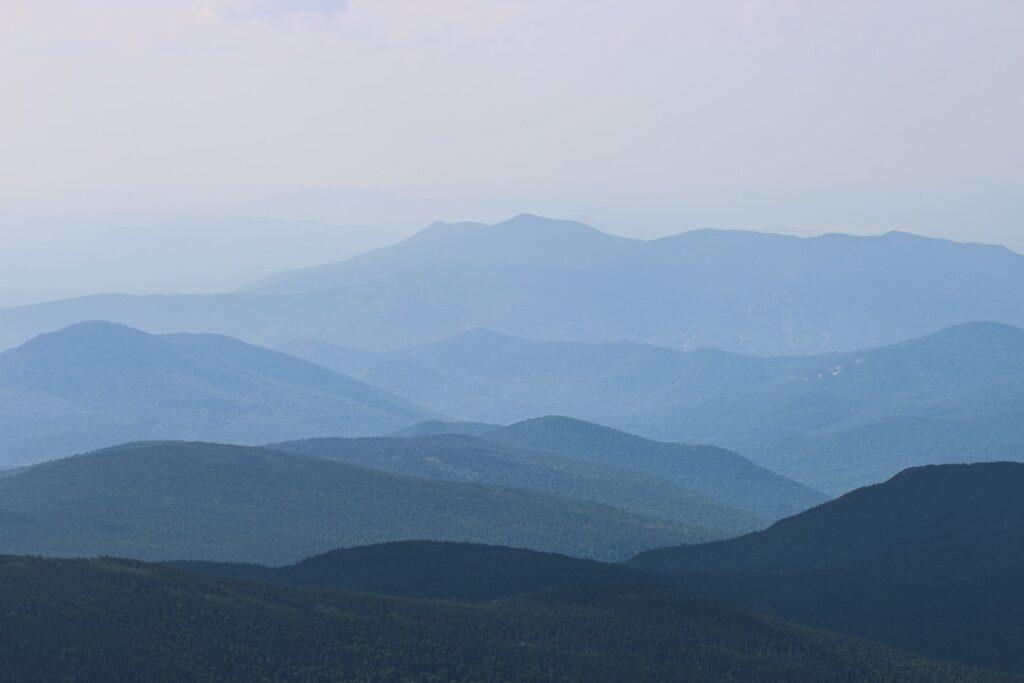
(647, 117)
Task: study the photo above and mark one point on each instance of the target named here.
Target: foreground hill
(98, 384)
(176, 500)
(538, 278)
(428, 569)
(457, 457)
(117, 619)
(834, 421)
(931, 560)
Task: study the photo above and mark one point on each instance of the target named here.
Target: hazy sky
(648, 117)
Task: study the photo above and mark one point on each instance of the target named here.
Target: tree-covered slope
(932, 560)
(457, 457)
(947, 513)
(176, 500)
(98, 384)
(117, 619)
(430, 569)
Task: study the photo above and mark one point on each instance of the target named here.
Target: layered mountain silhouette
(98, 384)
(833, 421)
(539, 278)
(711, 488)
(177, 500)
(110, 619)
(932, 560)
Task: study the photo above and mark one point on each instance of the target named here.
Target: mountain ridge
(832, 421)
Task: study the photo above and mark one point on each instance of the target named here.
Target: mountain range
(548, 279)
(832, 421)
(99, 384)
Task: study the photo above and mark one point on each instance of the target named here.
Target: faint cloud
(213, 10)
(755, 11)
(206, 15)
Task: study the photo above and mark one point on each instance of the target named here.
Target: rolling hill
(931, 560)
(689, 495)
(430, 569)
(548, 279)
(833, 421)
(110, 619)
(98, 384)
(436, 427)
(173, 500)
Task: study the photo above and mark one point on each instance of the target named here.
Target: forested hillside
(115, 619)
(932, 560)
(428, 569)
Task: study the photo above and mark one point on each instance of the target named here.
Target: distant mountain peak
(95, 383)
(976, 332)
(84, 333)
(563, 421)
(96, 327)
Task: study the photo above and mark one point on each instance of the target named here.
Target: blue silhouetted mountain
(833, 421)
(549, 279)
(931, 560)
(97, 384)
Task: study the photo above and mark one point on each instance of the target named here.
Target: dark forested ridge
(111, 619)
(834, 421)
(98, 384)
(684, 492)
(932, 560)
(175, 500)
(429, 569)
